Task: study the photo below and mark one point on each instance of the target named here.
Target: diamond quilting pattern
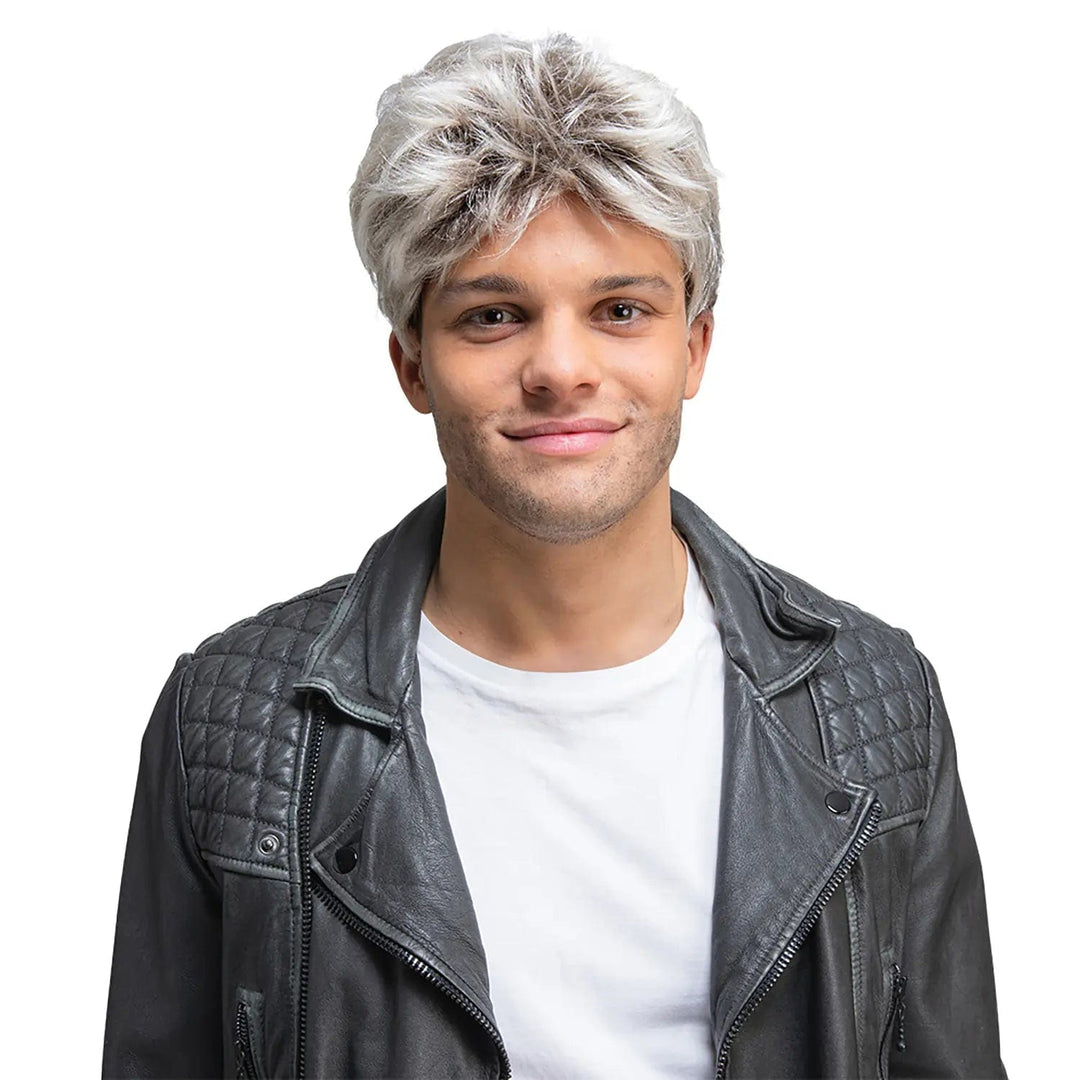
(240, 726)
(872, 701)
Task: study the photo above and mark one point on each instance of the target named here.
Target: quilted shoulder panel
(872, 702)
(240, 726)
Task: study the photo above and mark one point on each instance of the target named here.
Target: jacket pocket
(248, 1034)
(894, 1020)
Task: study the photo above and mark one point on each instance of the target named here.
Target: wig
(492, 130)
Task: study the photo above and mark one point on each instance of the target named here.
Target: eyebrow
(501, 283)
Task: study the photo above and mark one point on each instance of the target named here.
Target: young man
(561, 779)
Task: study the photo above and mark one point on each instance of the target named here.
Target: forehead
(567, 243)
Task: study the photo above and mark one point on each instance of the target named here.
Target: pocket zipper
(894, 1020)
(245, 1058)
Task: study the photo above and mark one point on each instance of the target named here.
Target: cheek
(656, 361)
(481, 388)
(657, 381)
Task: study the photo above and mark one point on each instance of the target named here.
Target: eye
(622, 311)
(490, 316)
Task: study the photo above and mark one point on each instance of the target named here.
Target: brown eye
(625, 312)
(486, 318)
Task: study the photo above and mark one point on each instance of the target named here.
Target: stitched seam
(878, 738)
(893, 776)
(259, 616)
(235, 771)
(858, 728)
(932, 768)
(217, 812)
(838, 662)
(817, 696)
(356, 583)
(258, 654)
(778, 728)
(232, 744)
(267, 735)
(858, 976)
(854, 618)
(349, 826)
(262, 747)
(178, 736)
(914, 704)
(881, 696)
(250, 691)
(279, 873)
(204, 793)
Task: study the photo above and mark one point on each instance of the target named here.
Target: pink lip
(566, 442)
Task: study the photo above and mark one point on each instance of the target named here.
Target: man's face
(573, 321)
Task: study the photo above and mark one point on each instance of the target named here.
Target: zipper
(800, 935)
(896, 1013)
(308, 882)
(307, 794)
(245, 1058)
(341, 912)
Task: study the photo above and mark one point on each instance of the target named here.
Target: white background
(202, 418)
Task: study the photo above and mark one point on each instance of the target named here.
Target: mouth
(565, 443)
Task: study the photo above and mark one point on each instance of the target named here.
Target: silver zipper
(800, 935)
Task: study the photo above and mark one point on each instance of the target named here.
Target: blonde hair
(491, 130)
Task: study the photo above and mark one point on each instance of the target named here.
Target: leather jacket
(293, 904)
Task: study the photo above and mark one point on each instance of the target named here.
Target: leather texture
(292, 901)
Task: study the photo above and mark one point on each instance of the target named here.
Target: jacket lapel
(779, 842)
(408, 882)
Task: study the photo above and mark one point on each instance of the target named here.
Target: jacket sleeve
(949, 1006)
(163, 1017)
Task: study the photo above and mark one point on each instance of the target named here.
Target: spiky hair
(492, 130)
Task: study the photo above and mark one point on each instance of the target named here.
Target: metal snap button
(269, 843)
(345, 859)
(838, 802)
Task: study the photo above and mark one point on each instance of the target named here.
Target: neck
(539, 606)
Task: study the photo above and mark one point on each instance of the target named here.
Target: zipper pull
(900, 982)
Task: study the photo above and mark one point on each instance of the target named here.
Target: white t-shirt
(585, 808)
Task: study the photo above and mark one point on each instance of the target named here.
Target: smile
(566, 442)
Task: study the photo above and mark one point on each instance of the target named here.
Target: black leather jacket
(293, 904)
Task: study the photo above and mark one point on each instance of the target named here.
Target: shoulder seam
(854, 617)
(933, 763)
(178, 733)
(339, 582)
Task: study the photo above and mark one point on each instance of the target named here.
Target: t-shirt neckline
(433, 644)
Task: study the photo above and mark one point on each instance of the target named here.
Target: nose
(562, 355)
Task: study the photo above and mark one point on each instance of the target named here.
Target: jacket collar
(364, 659)
(779, 844)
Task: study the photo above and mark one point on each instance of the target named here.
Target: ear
(410, 374)
(698, 341)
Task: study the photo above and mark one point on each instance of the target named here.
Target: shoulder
(241, 725)
(277, 634)
(872, 696)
